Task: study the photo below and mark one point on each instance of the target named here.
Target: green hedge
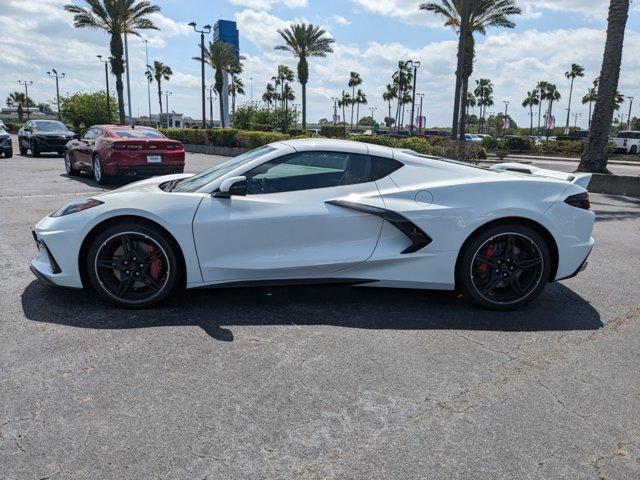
(333, 131)
(223, 137)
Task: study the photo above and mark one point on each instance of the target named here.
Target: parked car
(41, 136)
(627, 142)
(400, 134)
(472, 137)
(483, 135)
(2, 125)
(575, 136)
(324, 210)
(6, 147)
(436, 133)
(111, 150)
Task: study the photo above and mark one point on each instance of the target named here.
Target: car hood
(148, 185)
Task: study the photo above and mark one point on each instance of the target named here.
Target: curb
(615, 184)
(562, 159)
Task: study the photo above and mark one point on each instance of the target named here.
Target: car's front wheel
(34, 150)
(133, 265)
(504, 267)
(68, 165)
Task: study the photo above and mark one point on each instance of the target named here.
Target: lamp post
(373, 109)
(575, 119)
(146, 52)
(166, 96)
(420, 127)
(106, 77)
(57, 77)
(26, 84)
(206, 29)
(504, 123)
(126, 57)
(335, 110)
(416, 66)
(629, 117)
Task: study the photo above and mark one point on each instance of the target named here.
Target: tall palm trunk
(464, 105)
(159, 96)
(304, 105)
(357, 113)
(590, 114)
(531, 119)
(540, 111)
(353, 97)
(569, 106)
(594, 158)
(389, 110)
(117, 67)
(549, 115)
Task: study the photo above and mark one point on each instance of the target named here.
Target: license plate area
(154, 158)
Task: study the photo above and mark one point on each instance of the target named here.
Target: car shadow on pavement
(557, 309)
(112, 184)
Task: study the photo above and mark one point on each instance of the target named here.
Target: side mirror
(232, 186)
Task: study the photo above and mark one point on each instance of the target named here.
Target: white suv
(629, 142)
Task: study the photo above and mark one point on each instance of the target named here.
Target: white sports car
(325, 211)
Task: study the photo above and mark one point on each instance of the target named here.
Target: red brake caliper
(155, 269)
(483, 267)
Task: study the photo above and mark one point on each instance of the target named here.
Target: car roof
(348, 146)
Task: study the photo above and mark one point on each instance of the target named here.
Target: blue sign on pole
(226, 31)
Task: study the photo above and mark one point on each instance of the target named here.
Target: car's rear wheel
(133, 265)
(98, 172)
(504, 267)
(8, 153)
(23, 151)
(68, 165)
(633, 150)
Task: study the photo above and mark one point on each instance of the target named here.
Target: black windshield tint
(43, 126)
(138, 133)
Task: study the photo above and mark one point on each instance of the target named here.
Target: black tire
(68, 166)
(130, 283)
(498, 277)
(8, 154)
(34, 150)
(633, 150)
(97, 171)
(23, 151)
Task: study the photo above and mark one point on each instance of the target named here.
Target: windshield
(199, 180)
(137, 133)
(50, 126)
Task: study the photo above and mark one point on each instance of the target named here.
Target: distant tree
(269, 95)
(551, 94)
(83, 110)
(530, 101)
(541, 87)
(223, 58)
(159, 71)
(595, 157)
(19, 100)
(304, 41)
(236, 87)
(590, 97)
(388, 95)
(345, 101)
(323, 121)
(354, 81)
(115, 17)
(484, 95)
(575, 71)
(389, 121)
(360, 99)
(366, 121)
(283, 76)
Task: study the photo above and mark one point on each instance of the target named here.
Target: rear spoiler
(581, 179)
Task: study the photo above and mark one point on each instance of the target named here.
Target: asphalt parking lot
(315, 382)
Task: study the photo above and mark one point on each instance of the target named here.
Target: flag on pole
(422, 120)
(551, 122)
(505, 123)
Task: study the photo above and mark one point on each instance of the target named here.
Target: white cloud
(267, 4)
(405, 10)
(340, 20)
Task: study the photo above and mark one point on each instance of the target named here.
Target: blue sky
(371, 36)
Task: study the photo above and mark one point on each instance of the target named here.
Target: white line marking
(51, 195)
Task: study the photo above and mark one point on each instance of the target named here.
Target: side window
(90, 134)
(308, 170)
(381, 167)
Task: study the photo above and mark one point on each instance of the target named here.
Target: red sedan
(113, 150)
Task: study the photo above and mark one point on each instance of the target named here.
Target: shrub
(250, 140)
(13, 127)
(489, 143)
(187, 135)
(514, 143)
(419, 145)
(333, 131)
(377, 140)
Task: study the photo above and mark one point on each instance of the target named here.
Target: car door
(283, 228)
(83, 149)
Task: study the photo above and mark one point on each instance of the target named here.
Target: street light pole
(126, 54)
(166, 96)
(420, 127)
(504, 123)
(57, 77)
(206, 29)
(629, 117)
(373, 109)
(26, 84)
(416, 66)
(106, 77)
(146, 51)
(575, 119)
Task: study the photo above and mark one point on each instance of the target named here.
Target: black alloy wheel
(505, 267)
(132, 265)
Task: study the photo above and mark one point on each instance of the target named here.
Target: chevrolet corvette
(323, 211)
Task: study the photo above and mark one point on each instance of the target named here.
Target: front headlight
(76, 206)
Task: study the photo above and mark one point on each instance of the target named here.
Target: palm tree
(594, 157)
(530, 101)
(236, 87)
(388, 95)
(552, 95)
(359, 99)
(21, 100)
(283, 76)
(541, 87)
(288, 95)
(590, 97)
(484, 92)
(402, 79)
(115, 17)
(305, 40)
(354, 81)
(223, 58)
(575, 71)
(345, 100)
(482, 15)
(159, 72)
(269, 96)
